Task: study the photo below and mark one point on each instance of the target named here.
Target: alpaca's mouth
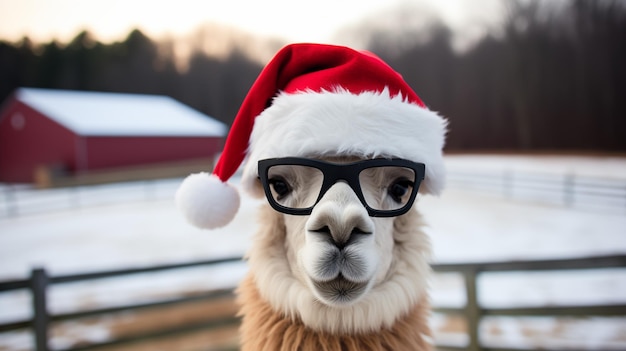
(339, 290)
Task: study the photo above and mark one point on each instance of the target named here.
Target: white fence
(19, 200)
(570, 190)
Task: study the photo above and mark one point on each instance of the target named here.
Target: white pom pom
(206, 201)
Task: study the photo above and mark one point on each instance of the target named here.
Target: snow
(136, 224)
(486, 228)
(117, 114)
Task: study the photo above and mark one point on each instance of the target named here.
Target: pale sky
(291, 20)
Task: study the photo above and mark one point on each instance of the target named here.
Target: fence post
(149, 190)
(472, 310)
(38, 284)
(11, 198)
(507, 184)
(568, 189)
(74, 196)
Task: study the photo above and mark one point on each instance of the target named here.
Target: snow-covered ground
(128, 225)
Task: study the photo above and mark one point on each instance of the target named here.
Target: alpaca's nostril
(322, 230)
(359, 231)
(329, 235)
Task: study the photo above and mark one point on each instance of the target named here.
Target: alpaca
(339, 145)
(304, 292)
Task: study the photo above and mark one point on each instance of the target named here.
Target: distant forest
(553, 78)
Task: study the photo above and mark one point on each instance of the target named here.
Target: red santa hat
(314, 100)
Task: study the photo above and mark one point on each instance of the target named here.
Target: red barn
(80, 132)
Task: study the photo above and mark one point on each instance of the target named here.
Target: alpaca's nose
(341, 239)
(340, 217)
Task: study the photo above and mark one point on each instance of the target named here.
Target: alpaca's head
(341, 247)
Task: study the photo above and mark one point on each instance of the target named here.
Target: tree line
(552, 78)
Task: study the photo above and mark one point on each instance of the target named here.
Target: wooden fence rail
(42, 319)
(473, 312)
(40, 281)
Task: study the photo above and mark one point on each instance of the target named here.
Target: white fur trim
(207, 202)
(369, 124)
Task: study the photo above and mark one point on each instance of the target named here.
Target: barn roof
(117, 114)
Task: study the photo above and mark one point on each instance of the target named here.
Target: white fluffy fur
(397, 284)
(342, 123)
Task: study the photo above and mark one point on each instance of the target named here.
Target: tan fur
(263, 329)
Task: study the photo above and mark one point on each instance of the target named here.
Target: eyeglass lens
(295, 186)
(388, 187)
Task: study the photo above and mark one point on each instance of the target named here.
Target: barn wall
(115, 152)
(28, 140)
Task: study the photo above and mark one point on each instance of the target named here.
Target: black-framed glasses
(386, 187)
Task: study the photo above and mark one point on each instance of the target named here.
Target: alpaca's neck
(263, 329)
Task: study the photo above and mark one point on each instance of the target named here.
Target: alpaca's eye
(280, 187)
(400, 189)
